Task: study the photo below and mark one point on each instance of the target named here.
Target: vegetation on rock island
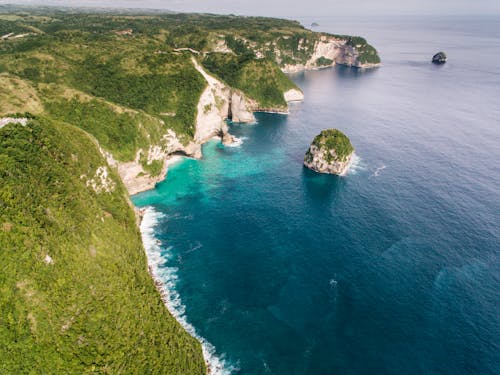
(336, 143)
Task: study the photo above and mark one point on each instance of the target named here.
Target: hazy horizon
(282, 8)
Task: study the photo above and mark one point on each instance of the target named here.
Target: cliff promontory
(330, 152)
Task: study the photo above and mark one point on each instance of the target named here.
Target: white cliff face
(327, 47)
(132, 173)
(212, 108)
(242, 108)
(209, 121)
(217, 103)
(294, 95)
(349, 57)
(317, 159)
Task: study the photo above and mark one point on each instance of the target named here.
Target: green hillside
(92, 306)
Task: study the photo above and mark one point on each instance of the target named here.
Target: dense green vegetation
(167, 83)
(260, 79)
(334, 139)
(323, 61)
(130, 75)
(92, 306)
(367, 53)
(112, 129)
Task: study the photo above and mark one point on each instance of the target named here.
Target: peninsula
(93, 104)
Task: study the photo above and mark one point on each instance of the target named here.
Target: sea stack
(439, 58)
(330, 152)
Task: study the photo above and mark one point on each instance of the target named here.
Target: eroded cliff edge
(217, 104)
(158, 86)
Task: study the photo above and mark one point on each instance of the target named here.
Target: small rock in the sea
(439, 58)
(330, 152)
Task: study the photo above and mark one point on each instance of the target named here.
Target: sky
(293, 8)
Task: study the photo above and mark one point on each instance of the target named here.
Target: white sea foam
(255, 122)
(377, 171)
(237, 142)
(194, 248)
(174, 159)
(166, 278)
(354, 165)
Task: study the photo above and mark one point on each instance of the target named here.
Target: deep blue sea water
(392, 269)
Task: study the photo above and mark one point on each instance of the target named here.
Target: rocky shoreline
(218, 103)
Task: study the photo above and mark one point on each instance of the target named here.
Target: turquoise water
(392, 269)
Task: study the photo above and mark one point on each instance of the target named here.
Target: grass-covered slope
(259, 79)
(75, 293)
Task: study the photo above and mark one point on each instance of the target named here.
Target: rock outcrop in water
(439, 58)
(330, 152)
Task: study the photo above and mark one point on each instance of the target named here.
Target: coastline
(147, 219)
(164, 279)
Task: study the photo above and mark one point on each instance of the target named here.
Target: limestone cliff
(294, 95)
(217, 103)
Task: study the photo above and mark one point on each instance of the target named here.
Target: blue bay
(392, 269)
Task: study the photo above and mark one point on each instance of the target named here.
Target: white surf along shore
(165, 279)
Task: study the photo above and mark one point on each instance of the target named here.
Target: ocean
(392, 269)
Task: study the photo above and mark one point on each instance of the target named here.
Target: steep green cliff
(76, 295)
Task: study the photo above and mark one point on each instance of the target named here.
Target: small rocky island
(330, 152)
(439, 58)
